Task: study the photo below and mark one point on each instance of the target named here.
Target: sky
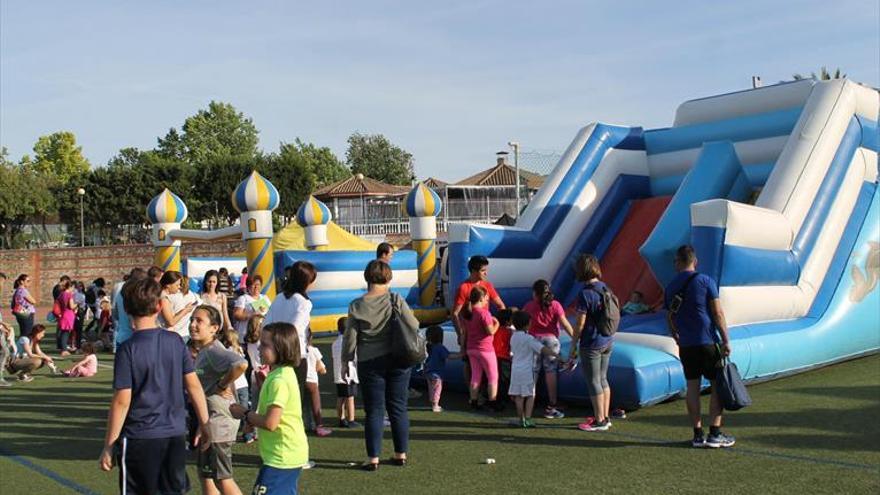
(451, 82)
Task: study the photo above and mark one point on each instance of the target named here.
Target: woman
(546, 315)
(23, 305)
(67, 321)
(479, 329)
(383, 382)
(212, 297)
(30, 356)
(595, 348)
(173, 312)
(248, 304)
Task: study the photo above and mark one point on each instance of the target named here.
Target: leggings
(435, 389)
(483, 362)
(594, 363)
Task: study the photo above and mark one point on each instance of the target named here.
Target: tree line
(202, 162)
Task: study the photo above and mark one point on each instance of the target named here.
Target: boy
(146, 425)
(478, 266)
(501, 343)
(526, 350)
(345, 389)
(636, 304)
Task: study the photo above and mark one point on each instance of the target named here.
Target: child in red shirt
(502, 350)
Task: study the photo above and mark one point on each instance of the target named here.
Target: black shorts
(700, 360)
(344, 391)
(216, 462)
(152, 465)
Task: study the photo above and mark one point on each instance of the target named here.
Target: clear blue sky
(451, 82)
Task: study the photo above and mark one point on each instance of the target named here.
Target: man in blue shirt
(146, 427)
(693, 314)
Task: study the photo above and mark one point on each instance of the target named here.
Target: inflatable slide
(776, 188)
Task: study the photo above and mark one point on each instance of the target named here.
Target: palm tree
(824, 75)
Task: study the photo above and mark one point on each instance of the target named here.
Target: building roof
(502, 174)
(434, 183)
(358, 185)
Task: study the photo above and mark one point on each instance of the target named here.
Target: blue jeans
(276, 481)
(383, 386)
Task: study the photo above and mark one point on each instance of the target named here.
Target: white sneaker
(309, 465)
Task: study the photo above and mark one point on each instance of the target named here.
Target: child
(635, 305)
(105, 331)
(480, 327)
(284, 449)
(217, 368)
(7, 349)
(316, 367)
(241, 384)
(502, 350)
(526, 350)
(146, 426)
(87, 366)
(434, 365)
(258, 370)
(345, 389)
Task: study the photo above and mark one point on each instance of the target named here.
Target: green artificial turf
(812, 433)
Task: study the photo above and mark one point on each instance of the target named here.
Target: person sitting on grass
(346, 388)
(316, 367)
(283, 446)
(526, 350)
(30, 356)
(146, 425)
(636, 304)
(87, 366)
(7, 350)
(217, 368)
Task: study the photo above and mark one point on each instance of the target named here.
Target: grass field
(813, 433)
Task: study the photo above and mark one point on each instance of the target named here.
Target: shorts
(550, 364)
(522, 388)
(216, 462)
(276, 481)
(700, 360)
(346, 390)
(152, 465)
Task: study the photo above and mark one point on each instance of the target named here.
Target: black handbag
(731, 390)
(408, 346)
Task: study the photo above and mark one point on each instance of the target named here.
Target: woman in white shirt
(248, 304)
(173, 308)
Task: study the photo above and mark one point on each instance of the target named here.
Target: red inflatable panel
(623, 268)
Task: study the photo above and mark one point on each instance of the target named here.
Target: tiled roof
(434, 183)
(359, 185)
(502, 174)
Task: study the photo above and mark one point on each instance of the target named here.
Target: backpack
(607, 319)
(57, 309)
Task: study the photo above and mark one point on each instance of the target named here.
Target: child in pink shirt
(87, 366)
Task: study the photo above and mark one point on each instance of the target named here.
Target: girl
(346, 388)
(230, 340)
(30, 356)
(480, 327)
(546, 316)
(213, 297)
(217, 369)
(170, 318)
(283, 447)
(67, 321)
(23, 305)
(87, 366)
(434, 365)
(316, 367)
(258, 370)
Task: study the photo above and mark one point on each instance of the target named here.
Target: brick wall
(46, 266)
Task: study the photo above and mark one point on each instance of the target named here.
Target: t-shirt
(501, 342)
(123, 323)
(152, 363)
(295, 310)
(544, 321)
(247, 302)
(475, 329)
(20, 302)
(212, 364)
(693, 322)
(589, 302)
(464, 291)
(631, 308)
(21, 351)
(336, 352)
(179, 301)
(526, 350)
(313, 356)
(436, 361)
(286, 447)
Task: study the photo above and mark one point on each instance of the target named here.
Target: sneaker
(720, 440)
(249, 437)
(553, 413)
(618, 414)
(436, 408)
(4, 383)
(699, 442)
(386, 422)
(475, 405)
(343, 423)
(323, 431)
(414, 394)
(595, 426)
(309, 465)
(354, 424)
(528, 423)
(25, 378)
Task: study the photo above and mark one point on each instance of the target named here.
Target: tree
(58, 157)
(25, 196)
(218, 132)
(375, 156)
(824, 75)
(298, 169)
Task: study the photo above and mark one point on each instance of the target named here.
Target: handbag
(408, 346)
(731, 390)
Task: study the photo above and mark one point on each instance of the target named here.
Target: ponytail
(477, 293)
(541, 289)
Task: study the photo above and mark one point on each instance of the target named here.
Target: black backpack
(607, 319)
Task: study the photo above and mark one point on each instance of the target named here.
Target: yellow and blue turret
(313, 216)
(166, 212)
(255, 198)
(422, 206)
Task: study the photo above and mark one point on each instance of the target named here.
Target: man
(385, 252)
(693, 314)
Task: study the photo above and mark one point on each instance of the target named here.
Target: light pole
(515, 146)
(82, 233)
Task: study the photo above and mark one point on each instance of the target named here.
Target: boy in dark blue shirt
(146, 426)
(693, 314)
